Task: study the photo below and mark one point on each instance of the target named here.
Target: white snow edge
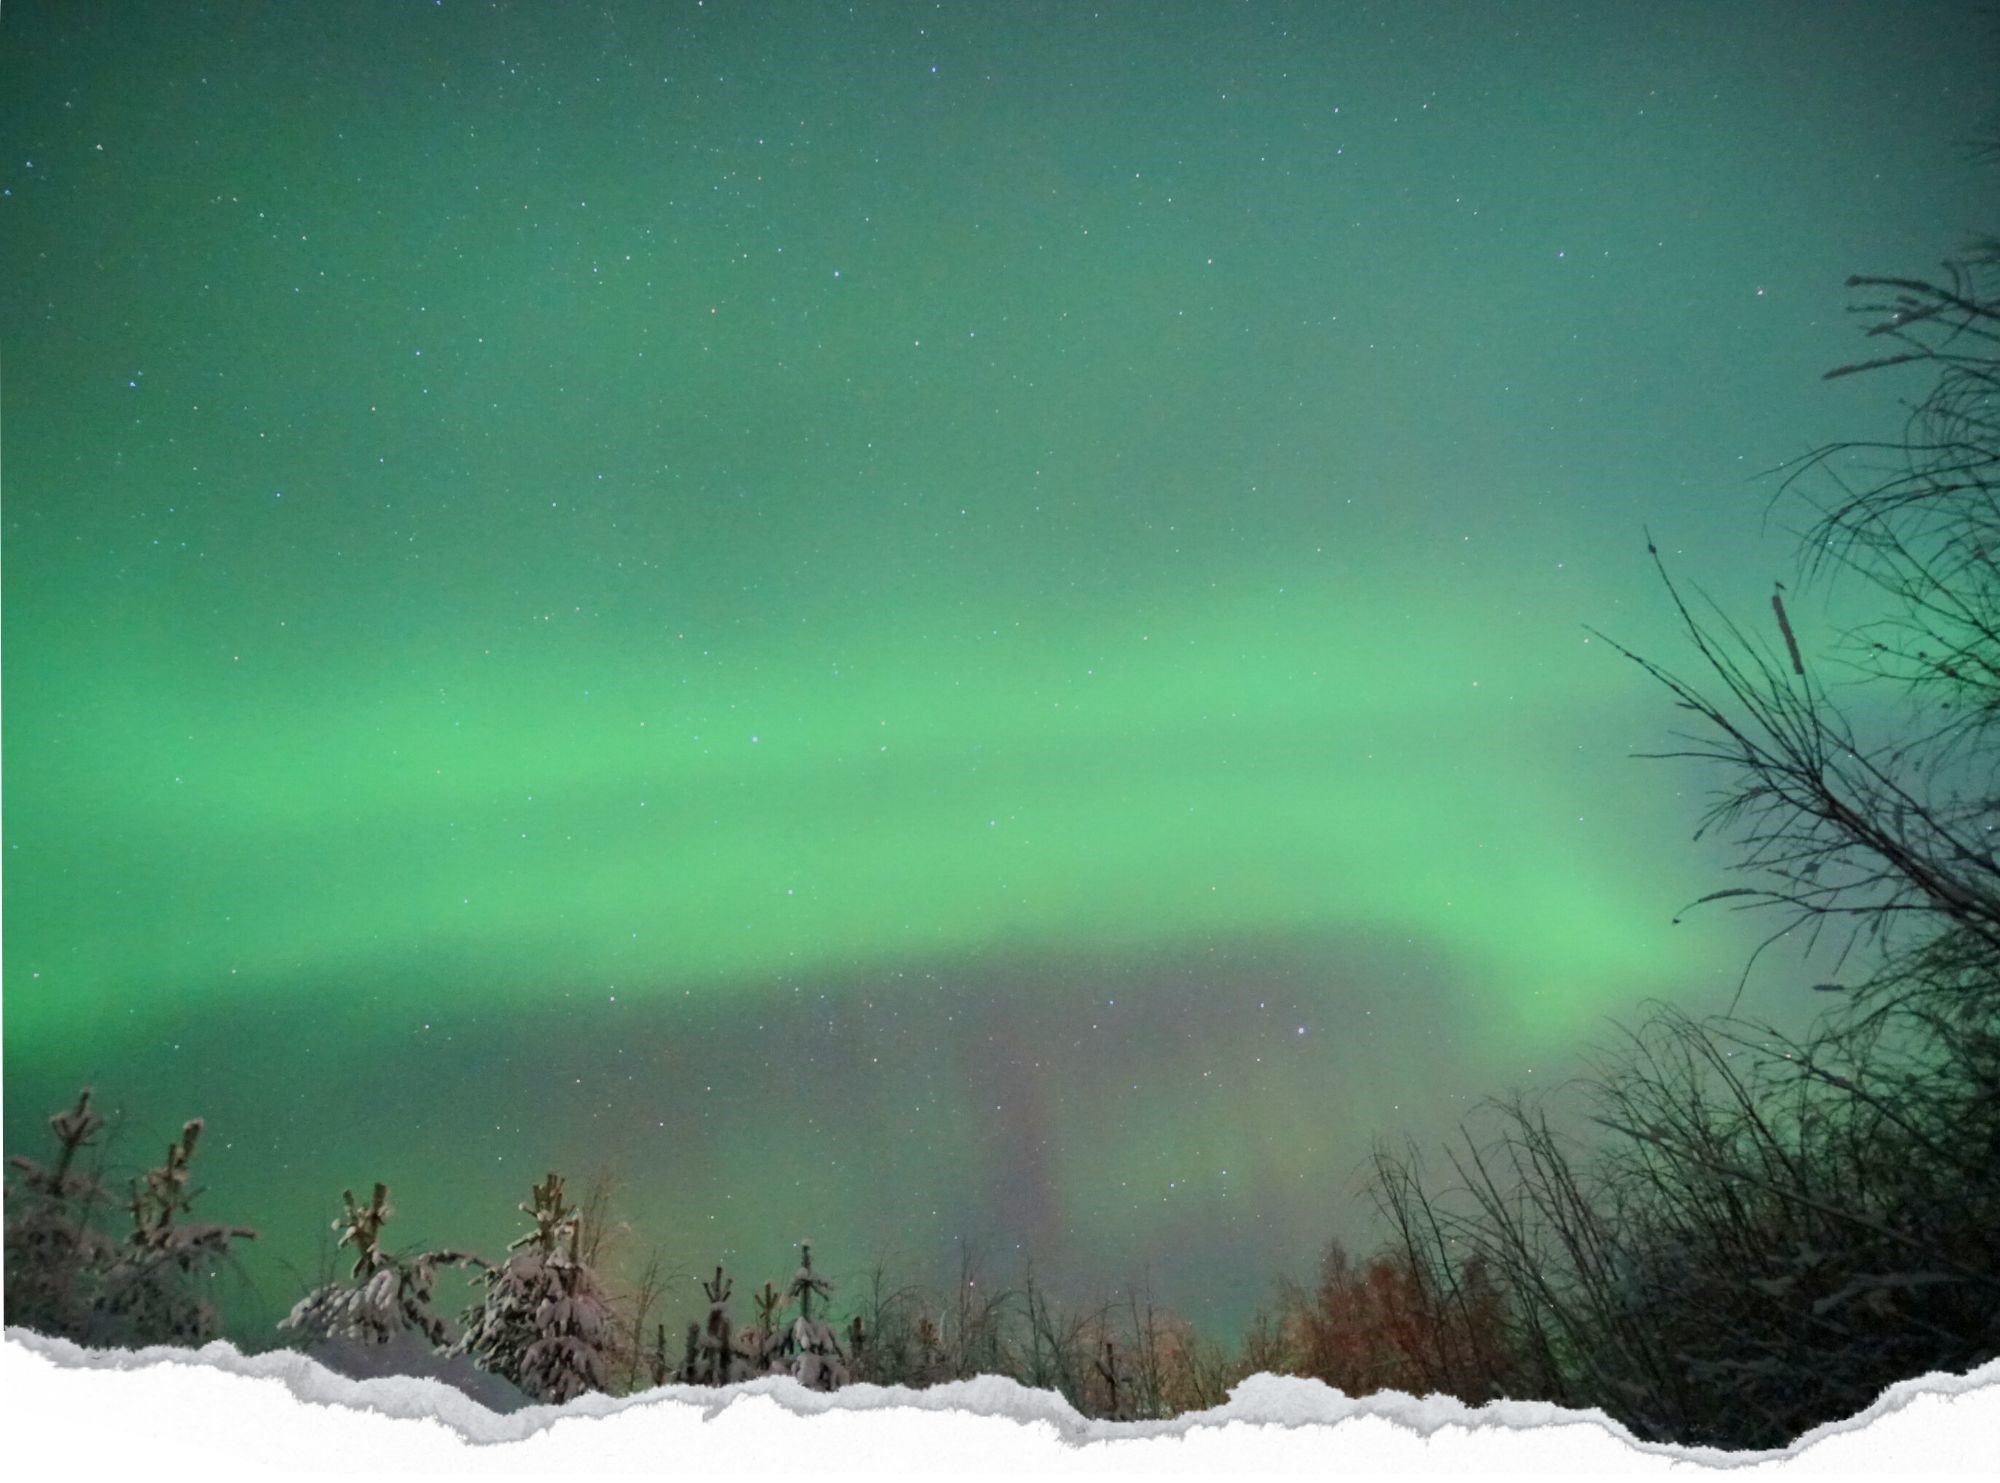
(1261, 1400)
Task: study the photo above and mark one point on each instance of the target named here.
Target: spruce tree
(764, 1345)
(713, 1357)
(65, 1276)
(812, 1353)
(389, 1294)
(54, 1253)
(546, 1323)
(150, 1292)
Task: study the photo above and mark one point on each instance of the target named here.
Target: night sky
(902, 622)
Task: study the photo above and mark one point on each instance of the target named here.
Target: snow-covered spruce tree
(389, 1295)
(713, 1358)
(54, 1254)
(763, 1346)
(150, 1292)
(811, 1352)
(546, 1323)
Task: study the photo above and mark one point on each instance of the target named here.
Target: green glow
(1270, 761)
(663, 588)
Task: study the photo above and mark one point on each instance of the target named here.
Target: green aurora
(905, 623)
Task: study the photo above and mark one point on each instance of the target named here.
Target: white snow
(1957, 1416)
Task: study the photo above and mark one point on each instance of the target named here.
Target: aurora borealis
(903, 622)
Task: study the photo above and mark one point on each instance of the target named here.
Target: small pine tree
(811, 1352)
(389, 1294)
(66, 1277)
(149, 1293)
(713, 1356)
(764, 1346)
(54, 1254)
(546, 1322)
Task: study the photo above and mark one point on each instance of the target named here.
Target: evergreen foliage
(545, 1323)
(53, 1250)
(152, 1292)
(388, 1295)
(66, 1276)
(811, 1352)
(712, 1354)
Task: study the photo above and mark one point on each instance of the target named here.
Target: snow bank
(1959, 1414)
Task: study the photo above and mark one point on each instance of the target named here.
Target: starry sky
(900, 623)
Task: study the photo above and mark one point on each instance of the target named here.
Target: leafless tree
(1769, 1226)
(1886, 831)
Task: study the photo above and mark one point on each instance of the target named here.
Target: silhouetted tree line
(1765, 1229)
